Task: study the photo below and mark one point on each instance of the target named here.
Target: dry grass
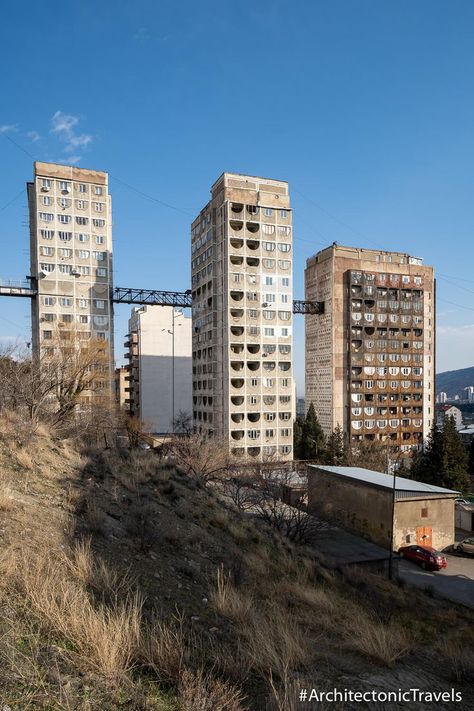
(230, 601)
(105, 638)
(23, 458)
(458, 657)
(96, 574)
(165, 648)
(7, 502)
(381, 641)
(199, 691)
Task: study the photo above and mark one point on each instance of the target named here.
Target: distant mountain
(453, 382)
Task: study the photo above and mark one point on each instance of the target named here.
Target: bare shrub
(96, 574)
(95, 517)
(203, 457)
(386, 643)
(202, 692)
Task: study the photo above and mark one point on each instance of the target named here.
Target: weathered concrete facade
(366, 508)
(370, 356)
(241, 246)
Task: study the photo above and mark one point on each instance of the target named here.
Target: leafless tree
(183, 423)
(202, 456)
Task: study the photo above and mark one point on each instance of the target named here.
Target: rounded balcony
(356, 290)
(252, 227)
(237, 399)
(237, 295)
(237, 347)
(236, 365)
(269, 399)
(237, 330)
(253, 451)
(236, 243)
(237, 434)
(236, 260)
(236, 207)
(253, 209)
(253, 348)
(369, 303)
(253, 416)
(356, 344)
(236, 313)
(237, 416)
(237, 383)
(268, 366)
(253, 244)
(236, 225)
(284, 366)
(356, 371)
(237, 451)
(253, 261)
(253, 365)
(369, 330)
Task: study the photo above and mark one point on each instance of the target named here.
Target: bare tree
(201, 456)
(183, 423)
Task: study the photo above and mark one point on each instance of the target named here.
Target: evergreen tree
(444, 460)
(470, 466)
(313, 439)
(298, 448)
(335, 452)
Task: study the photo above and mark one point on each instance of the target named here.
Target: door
(424, 535)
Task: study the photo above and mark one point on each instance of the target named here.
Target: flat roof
(385, 481)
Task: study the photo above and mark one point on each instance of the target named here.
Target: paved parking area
(456, 582)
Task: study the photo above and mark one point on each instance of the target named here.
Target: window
(99, 239)
(66, 318)
(47, 200)
(83, 254)
(97, 190)
(284, 298)
(65, 236)
(405, 279)
(283, 247)
(101, 336)
(285, 332)
(268, 263)
(268, 229)
(284, 231)
(253, 399)
(45, 183)
(254, 382)
(268, 212)
(269, 433)
(65, 301)
(253, 434)
(82, 237)
(268, 315)
(81, 220)
(268, 331)
(64, 219)
(65, 268)
(285, 382)
(49, 300)
(284, 213)
(99, 206)
(47, 334)
(285, 281)
(82, 303)
(268, 382)
(49, 317)
(269, 246)
(99, 256)
(284, 263)
(98, 223)
(46, 216)
(270, 298)
(285, 432)
(47, 267)
(269, 416)
(64, 185)
(47, 251)
(82, 188)
(101, 272)
(81, 204)
(424, 513)
(99, 303)
(47, 234)
(84, 271)
(252, 313)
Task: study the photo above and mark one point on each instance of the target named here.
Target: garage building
(361, 501)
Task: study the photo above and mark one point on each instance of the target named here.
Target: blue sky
(366, 107)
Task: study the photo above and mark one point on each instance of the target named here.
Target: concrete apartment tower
(160, 368)
(370, 358)
(241, 246)
(71, 254)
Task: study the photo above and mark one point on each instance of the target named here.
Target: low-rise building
(467, 435)
(445, 411)
(365, 502)
(121, 380)
(465, 516)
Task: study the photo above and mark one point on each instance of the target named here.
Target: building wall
(71, 255)
(241, 247)
(121, 385)
(151, 365)
(370, 295)
(367, 511)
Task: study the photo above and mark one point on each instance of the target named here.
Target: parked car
(459, 500)
(465, 546)
(425, 556)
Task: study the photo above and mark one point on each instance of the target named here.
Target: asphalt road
(456, 582)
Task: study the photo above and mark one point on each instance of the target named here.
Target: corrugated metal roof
(385, 480)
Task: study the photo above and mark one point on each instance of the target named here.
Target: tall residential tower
(241, 246)
(370, 358)
(71, 255)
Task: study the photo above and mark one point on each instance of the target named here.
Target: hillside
(453, 382)
(125, 584)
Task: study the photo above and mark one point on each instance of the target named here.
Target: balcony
(253, 348)
(236, 225)
(237, 383)
(237, 417)
(252, 227)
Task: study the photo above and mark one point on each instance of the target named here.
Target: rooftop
(385, 481)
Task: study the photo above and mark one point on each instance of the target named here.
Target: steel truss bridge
(122, 295)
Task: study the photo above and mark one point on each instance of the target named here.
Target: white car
(465, 546)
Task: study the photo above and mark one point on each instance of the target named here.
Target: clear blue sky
(366, 107)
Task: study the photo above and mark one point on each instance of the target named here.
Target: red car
(429, 558)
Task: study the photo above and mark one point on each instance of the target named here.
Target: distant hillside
(453, 382)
